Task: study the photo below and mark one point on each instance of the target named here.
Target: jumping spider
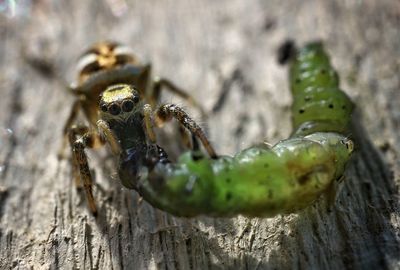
(108, 65)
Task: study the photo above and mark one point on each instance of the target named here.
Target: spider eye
(127, 105)
(135, 99)
(103, 107)
(114, 109)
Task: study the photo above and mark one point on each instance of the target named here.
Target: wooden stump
(224, 52)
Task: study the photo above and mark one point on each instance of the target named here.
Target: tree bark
(224, 53)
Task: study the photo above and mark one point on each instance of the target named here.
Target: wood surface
(224, 53)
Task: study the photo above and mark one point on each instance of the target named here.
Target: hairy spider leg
(168, 111)
(80, 137)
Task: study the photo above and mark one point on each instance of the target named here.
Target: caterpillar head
(337, 145)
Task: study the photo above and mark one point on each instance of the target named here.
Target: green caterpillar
(318, 103)
(258, 181)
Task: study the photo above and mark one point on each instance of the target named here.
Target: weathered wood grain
(211, 48)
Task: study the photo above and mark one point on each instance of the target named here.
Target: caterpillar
(258, 181)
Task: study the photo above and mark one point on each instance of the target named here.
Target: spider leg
(189, 143)
(80, 138)
(107, 135)
(162, 83)
(67, 126)
(153, 97)
(168, 111)
(148, 123)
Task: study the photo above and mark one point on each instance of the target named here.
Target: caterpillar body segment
(318, 102)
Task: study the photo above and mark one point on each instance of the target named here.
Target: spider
(107, 64)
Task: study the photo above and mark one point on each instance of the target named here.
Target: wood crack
(15, 111)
